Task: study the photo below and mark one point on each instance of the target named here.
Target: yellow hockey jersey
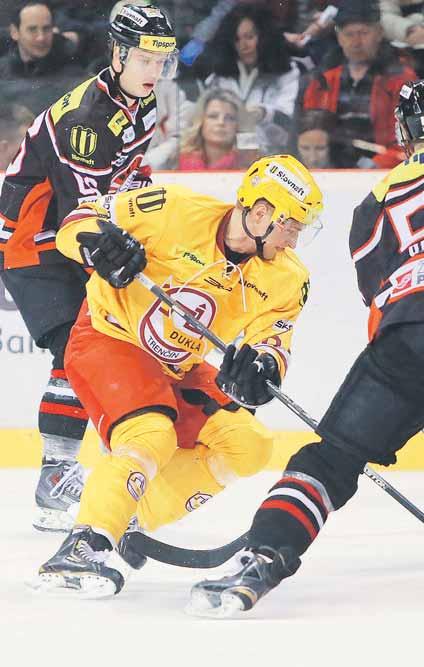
(182, 233)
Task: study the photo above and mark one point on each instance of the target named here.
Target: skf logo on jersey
(136, 484)
(83, 140)
(195, 501)
(283, 326)
(151, 200)
(286, 178)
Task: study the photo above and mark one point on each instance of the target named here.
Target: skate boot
(241, 591)
(126, 547)
(57, 495)
(84, 567)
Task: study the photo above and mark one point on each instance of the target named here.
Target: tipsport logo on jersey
(167, 336)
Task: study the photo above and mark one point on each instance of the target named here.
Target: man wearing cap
(90, 142)
(360, 83)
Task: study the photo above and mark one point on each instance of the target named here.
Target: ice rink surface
(357, 600)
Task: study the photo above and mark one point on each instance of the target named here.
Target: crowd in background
(317, 79)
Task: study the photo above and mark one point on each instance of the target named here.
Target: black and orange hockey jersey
(74, 151)
(387, 246)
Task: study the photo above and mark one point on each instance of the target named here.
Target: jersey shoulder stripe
(406, 172)
(70, 101)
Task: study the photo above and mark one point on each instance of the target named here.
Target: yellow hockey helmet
(286, 184)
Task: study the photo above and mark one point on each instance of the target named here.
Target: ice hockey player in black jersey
(90, 142)
(379, 406)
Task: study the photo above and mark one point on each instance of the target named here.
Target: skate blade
(55, 521)
(87, 586)
(200, 605)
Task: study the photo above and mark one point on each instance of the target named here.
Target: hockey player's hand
(132, 177)
(243, 374)
(115, 255)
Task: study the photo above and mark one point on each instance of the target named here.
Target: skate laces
(91, 555)
(72, 480)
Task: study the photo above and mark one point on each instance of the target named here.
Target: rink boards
(328, 336)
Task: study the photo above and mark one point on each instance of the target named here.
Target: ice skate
(126, 549)
(84, 566)
(57, 495)
(225, 597)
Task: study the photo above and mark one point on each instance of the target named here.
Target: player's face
(314, 150)
(284, 235)
(219, 125)
(360, 42)
(142, 71)
(34, 35)
(247, 42)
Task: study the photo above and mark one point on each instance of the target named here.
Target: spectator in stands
(39, 68)
(211, 140)
(360, 82)
(315, 29)
(403, 21)
(249, 58)
(85, 23)
(314, 146)
(14, 122)
(173, 115)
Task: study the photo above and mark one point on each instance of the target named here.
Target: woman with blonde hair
(210, 142)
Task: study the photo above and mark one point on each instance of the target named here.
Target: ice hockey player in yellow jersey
(140, 370)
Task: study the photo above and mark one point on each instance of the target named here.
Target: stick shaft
(183, 312)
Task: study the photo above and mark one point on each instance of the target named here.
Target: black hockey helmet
(144, 28)
(409, 114)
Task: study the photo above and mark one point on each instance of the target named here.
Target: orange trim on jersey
(370, 239)
(60, 409)
(374, 318)
(21, 250)
(294, 511)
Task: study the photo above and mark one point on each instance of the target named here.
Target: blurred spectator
(39, 67)
(403, 21)
(85, 23)
(205, 30)
(317, 35)
(15, 119)
(173, 114)
(314, 146)
(249, 58)
(210, 142)
(360, 82)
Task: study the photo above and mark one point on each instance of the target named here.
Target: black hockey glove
(243, 374)
(115, 255)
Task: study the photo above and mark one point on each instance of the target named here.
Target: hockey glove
(115, 255)
(243, 374)
(132, 177)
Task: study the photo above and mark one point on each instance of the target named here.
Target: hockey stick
(183, 312)
(172, 555)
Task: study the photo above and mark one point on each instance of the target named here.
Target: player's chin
(146, 89)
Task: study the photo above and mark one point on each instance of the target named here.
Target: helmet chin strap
(259, 240)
